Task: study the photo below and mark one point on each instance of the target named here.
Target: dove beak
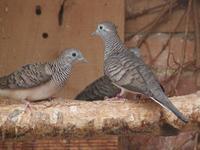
(94, 33)
(84, 60)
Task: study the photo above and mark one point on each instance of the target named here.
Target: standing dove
(39, 81)
(129, 72)
(102, 87)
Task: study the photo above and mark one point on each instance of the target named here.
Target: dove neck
(63, 63)
(60, 71)
(113, 44)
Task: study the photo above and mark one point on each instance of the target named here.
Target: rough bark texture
(79, 118)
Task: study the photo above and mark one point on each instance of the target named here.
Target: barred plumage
(98, 90)
(128, 71)
(40, 80)
(102, 87)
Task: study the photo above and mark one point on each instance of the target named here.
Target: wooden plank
(96, 143)
(21, 30)
(149, 142)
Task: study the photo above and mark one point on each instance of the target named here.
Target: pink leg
(27, 105)
(52, 98)
(119, 97)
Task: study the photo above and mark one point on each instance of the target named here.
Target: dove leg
(27, 105)
(119, 97)
(52, 98)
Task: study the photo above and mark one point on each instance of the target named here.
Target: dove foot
(52, 98)
(27, 105)
(118, 97)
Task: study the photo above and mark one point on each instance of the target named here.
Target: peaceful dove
(40, 81)
(128, 71)
(102, 87)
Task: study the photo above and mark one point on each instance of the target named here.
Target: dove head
(105, 29)
(112, 42)
(72, 55)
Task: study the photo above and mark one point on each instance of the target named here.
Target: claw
(27, 105)
(52, 98)
(119, 97)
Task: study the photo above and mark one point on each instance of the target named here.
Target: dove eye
(74, 54)
(100, 27)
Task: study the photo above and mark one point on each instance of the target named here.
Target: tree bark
(79, 118)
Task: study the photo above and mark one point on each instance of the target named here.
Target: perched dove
(129, 72)
(102, 87)
(39, 81)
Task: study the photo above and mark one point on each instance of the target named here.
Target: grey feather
(98, 90)
(28, 76)
(102, 87)
(29, 81)
(128, 71)
(136, 51)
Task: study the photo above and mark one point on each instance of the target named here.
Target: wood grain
(66, 118)
(95, 143)
(21, 31)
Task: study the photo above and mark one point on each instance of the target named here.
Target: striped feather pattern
(98, 90)
(128, 71)
(32, 75)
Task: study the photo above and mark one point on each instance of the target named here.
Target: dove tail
(169, 106)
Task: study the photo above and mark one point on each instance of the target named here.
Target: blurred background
(167, 31)
(37, 30)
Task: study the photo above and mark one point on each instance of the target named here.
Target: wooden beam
(79, 118)
(108, 143)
